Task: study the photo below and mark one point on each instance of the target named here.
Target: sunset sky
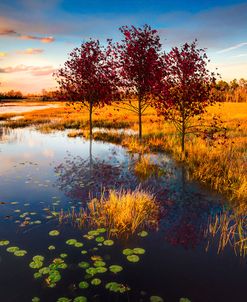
(37, 35)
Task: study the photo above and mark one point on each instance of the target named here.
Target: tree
(89, 77)
(139, 62)
(184, 91)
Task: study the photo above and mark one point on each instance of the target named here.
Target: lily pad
(138, 251)
(78, 244)
(36, 264)
(108, 242)
(12, 249)
(83, 264)
(20, 253)
(63, 255)
(143, 234)
(91, 271)
(63, 299)
(80, 299)
(133, 258)
(35, 299)
(38, 258)
(117, 287)
(4, 242)
(184, 300)
(51, 248)
(83, 284)
(115, 268)
(71, 241)
(99, 263)
(96, 281)
(99, 239)
(128, 252)
(54, 233)
(101, 269)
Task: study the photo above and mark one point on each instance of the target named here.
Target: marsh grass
(231, 228)
(125, 212)
(221, 165)
(144, 168)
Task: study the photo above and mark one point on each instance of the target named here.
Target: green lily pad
(101, 269)
(133, 258)
(78, 244)
(93, 233)
(4, 242)
(83, 252)
(35, 299)
(37, 275)
(71, 241)
(108, 242)
(51, 248)
(115, 268)
(91, 271)
(54, 277)
(139, 251)
(63, 299)
(96, 281)
(36, 264)
(142, 234)
(99, 263)
(156, 299)
(38, 258)
(63, 255)
(117, 287)
(44, 270)
(83, 284)
(101, 230)
(99, 239)
(54, 233)
(12, 249)
(80, 299)
(20, 253)
(83, 264)
(128, 252)
(184, 300)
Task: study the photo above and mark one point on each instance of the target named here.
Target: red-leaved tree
(139, 62)
(88, 77)
(185, 89)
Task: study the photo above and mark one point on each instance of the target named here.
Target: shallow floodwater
(41, 174)
(15, 108)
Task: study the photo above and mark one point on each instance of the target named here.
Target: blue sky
(37, 35)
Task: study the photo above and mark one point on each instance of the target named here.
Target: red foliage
(185, 87)
(89, 76)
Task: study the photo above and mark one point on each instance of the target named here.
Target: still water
(44, 173)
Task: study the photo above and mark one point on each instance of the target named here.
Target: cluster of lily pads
(133, 255)
(51, 271)
(15, 250)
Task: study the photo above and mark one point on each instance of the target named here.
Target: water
(51, 171)
(16, 108)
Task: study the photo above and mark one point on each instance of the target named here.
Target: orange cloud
(31, 51)
(41, 39)
(11, 32)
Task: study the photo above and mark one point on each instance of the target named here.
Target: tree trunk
(140, 117)
(90, 120)
(183, 140)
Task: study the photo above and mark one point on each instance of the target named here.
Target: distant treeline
(234, 91)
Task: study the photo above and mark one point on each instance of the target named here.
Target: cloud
(232, 47)
(41, 39)
(30, 51)
(34, 70)
(13, 33)
(240, 55)
(3, 54)
(7, 32)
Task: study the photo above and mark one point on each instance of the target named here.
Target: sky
(36, 36)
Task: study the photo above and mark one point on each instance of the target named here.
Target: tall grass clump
(124, 211)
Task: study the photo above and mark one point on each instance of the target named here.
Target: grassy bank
(222, 165)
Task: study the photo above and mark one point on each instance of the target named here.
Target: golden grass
(145, 168)
(230, 227)
(123, 212)
(222, 166)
